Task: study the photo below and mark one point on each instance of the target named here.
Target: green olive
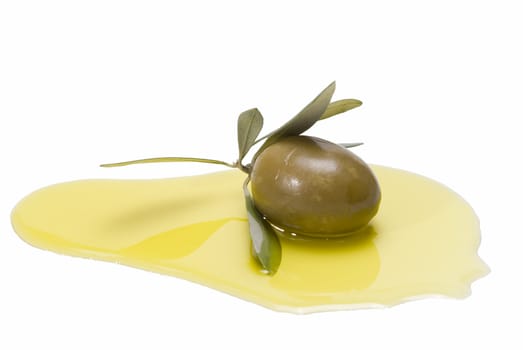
(313, 187)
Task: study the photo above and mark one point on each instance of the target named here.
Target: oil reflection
(328, 266)
(174, 244)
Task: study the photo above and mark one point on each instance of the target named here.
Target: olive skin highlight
(313, 187)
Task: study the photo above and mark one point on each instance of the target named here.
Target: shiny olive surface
(310, 186)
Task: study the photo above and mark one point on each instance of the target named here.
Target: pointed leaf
(250, 124)
(166, 160)
(303, 120)
(340, 106)
(350, 145)
(266, 247)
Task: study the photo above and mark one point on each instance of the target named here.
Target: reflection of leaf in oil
(311, 267)
(175, 243)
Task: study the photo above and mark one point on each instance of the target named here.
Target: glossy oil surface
(422, 242)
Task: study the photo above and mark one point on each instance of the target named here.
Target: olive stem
(261, 139)
(245, 168)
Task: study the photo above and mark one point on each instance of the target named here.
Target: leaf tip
(332, 85)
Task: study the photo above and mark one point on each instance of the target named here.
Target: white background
(87, 82)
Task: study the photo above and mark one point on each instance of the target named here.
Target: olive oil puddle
(422, 242)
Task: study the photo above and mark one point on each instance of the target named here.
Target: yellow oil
(423, 241)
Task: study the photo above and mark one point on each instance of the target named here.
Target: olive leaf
(350, 145)
(167, 160)
(340, 106)
(266, 247)
(250, 124)
(306, 118)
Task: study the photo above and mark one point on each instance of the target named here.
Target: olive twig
(266, 247)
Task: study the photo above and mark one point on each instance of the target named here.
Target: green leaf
(266, 247)
(167, 160)
(340, 106)
(350, 145)
(307, 117)
(250, 124)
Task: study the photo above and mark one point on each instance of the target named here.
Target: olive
(309, 186)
